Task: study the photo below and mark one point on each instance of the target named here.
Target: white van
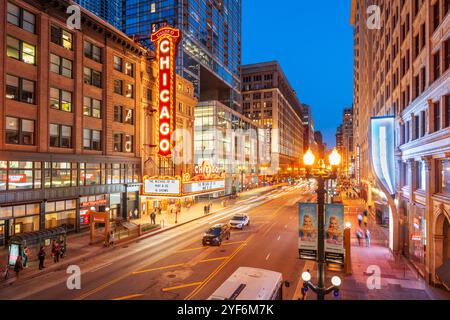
(251, 284)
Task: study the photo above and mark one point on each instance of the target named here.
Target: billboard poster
(307, 236)
(334, 233)
(13, 253)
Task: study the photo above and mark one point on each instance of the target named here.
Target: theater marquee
(166, 40)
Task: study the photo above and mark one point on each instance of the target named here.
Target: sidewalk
(399, 281)
(78, 247)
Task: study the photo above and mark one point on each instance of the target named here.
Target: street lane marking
(182, 286)
(159, 268)
(101, 266)
(267, 231)
(230, 243)
(215, 259)
(217, 270)
(278, 238)
(103, 286)
(131, 296)
(178, 265)
(268, 256)
(285, 226)
(187, 250)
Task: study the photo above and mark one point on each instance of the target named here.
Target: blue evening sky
(313, 42)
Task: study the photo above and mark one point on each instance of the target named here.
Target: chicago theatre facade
(403, 70)
(72, 104)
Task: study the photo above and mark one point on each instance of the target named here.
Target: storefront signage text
(162, 187)
(94, 203)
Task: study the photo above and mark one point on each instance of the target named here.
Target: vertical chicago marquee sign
(166, 40)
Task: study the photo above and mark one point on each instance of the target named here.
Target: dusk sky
(313, 42)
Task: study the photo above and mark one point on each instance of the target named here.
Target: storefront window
(21, 174)
(91, 174)
(61, 214)
(25, 218)
(116, 173)
(418, 238)
(59, 175)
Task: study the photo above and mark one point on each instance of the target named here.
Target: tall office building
(210, 52)
(108, 10)
(270, 101)
(308, 126)
(347, 141)
(402, 69)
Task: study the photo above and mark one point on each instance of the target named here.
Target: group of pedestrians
(366, 234)
(207, 208)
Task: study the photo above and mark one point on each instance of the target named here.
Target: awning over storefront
(443, 273)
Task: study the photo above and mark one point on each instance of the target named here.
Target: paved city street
(174, 264)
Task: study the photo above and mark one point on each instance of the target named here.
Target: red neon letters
(166, 40)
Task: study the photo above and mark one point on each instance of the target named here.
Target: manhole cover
(223, 250)
(125, 247)
(171, 276)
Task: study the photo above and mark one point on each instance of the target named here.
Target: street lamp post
(321, 174)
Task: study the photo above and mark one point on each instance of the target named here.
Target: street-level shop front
(39, 192)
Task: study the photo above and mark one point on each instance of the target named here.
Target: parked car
(239, 221)
(216, 234)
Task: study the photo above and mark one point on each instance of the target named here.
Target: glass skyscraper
(210, 52)
(108, 10)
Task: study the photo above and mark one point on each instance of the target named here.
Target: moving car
(216, 234)
(239, 221)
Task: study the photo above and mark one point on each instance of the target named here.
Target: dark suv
(216, 234)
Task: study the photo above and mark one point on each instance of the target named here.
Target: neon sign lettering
(166, 40)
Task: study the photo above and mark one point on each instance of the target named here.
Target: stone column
(429, 216)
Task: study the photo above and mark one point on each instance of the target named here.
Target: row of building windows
(417, 127)
(23, 90)
(418, 171)
(22, 175)
(21, 132)
(255, 78)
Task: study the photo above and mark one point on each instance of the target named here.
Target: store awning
(37, 235)
(443, 273)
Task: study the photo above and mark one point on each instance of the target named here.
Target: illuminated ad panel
(382, 151)
(166, 40)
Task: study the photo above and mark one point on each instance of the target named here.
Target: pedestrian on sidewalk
(18, 266)
(359, 235)
(153, 217)
(205, 209)
(360, 219)
(55, 251)
(365, 220)
(62, 249)
(41, 257)
(111, 238)
(26, 254)
(367, 238)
